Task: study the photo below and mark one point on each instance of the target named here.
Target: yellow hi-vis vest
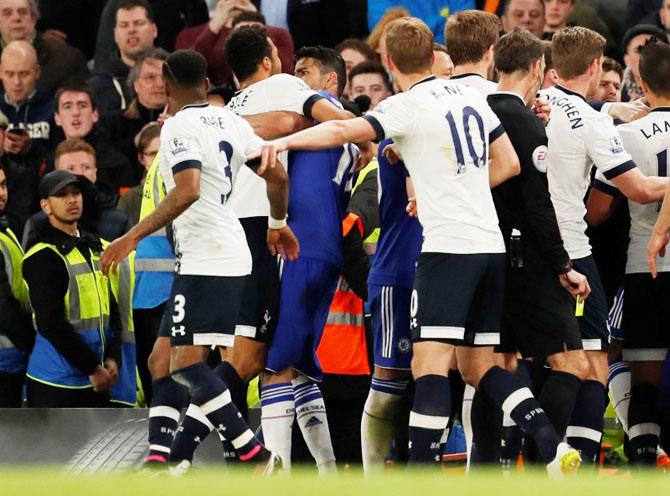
(369, 243)
(154, 259)
(12, 360)
(122, 282)
(86, 308)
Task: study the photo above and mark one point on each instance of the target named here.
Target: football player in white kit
(446, 133)
(203, 148)
(646, 314)
(580, 138)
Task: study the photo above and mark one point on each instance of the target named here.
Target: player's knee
(571, 362)
(159, 359)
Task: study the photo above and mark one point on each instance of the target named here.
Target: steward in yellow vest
(77, 350)
(16, 330)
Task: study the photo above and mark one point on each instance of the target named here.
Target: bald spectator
(210, 39)
(528, 14)
(146, 79)
(30, 112)
(134, 33)
(58, 60)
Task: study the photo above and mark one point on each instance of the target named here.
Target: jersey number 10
(477, 159)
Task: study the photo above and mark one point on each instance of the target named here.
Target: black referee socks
(586, 426)
(557, 398)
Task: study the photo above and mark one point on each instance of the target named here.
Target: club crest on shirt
(616, 146)
(540, 160)
(179, 146)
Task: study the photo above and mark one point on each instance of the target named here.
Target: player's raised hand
(629, 111)
(116, 252)
(576, 284)
(284, 242)
(656, 247)
(542, 109)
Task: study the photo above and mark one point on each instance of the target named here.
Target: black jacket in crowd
(16, 323)
(109, 84)
(48, 279)
(523, 202)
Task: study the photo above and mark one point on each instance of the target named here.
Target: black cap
(647, 29)
(54, 182)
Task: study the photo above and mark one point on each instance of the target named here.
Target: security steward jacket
(77, 320)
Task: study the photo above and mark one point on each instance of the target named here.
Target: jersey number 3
(227, 148)
(468, 115)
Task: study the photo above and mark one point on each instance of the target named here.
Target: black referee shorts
(539, 315)
(260, 301)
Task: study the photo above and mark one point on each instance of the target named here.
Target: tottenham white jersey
(443, 130)
(209, 239)
(648, 141)
(484, 86)
(279, 92)
(579, 138)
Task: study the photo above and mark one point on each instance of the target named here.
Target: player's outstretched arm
(659, 236)
(280, 237)
(273, 125)
(640, 188)
(504, 162)
(185, 193)
(321, 137)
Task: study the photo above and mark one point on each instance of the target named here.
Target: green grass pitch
(400, 482)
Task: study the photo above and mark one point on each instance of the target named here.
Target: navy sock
(238, 393)
(557, 398)
(518, 403)
(211, 395)
(428, 418)
(512, 436)
(168, 400)
(586, 425)
(193, 430)
(643, 424)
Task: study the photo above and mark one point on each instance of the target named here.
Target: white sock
(277, 413)
(310, 413)
(619, 389)
(468, 394)
(377, 424)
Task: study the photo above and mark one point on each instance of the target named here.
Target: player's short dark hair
(328, 60)
(611, 65)
(245, 50)
(655, 68)
(249, 16)
(516, 51)
(185, 68)
(439, 47)
(468, 34)
(357, 45)
(131, 4)
(75, 86)
(369, 67)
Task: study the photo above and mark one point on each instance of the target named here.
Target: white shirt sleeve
(494, 126)
(182, 145)
(606, 149)
(292, 94)
(390, 118)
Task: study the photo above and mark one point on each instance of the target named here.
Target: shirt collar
(569, 92)
(511, 93)
(424, 80)
(661, 109)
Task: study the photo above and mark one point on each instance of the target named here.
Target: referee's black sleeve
(541, 216)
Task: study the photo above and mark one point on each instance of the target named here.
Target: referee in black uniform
(539, 314)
